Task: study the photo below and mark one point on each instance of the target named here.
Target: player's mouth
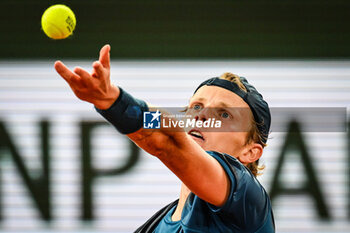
(196, 134)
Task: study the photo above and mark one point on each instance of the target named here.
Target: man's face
(230, 109)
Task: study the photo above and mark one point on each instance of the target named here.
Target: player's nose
(202, 115)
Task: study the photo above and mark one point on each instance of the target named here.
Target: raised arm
(200, 172)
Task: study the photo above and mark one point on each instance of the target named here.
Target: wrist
(125, 113)
(108, 101)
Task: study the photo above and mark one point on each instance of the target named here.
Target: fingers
(105, 56)
(98, 69)
(83, 74)
(64, 72)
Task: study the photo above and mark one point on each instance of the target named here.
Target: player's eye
(225, 115)
(197, 107)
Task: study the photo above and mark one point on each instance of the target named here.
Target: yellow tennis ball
(58, 21)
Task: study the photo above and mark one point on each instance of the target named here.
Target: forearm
(200, 172)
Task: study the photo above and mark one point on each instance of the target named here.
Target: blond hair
(254, 135)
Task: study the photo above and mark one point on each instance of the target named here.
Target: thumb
(105, 56)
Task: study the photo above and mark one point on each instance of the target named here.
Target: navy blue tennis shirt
(247, 209)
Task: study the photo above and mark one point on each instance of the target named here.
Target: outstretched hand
(96, 87)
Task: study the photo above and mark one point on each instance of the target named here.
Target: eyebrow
(201, 99)
(222, 105)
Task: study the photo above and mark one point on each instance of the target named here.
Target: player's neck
(182, 200)
(184, 192)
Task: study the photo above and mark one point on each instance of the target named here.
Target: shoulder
(239, 174)
(232, 164)
(248, 203)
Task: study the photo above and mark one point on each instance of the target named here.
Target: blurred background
(62, 169)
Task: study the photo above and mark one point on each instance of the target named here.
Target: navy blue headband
(252, 97)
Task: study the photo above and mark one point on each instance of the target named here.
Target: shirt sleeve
(247, 205)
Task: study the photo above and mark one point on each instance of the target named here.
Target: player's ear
(251, 153)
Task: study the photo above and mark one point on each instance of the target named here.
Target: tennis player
(219, 192)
